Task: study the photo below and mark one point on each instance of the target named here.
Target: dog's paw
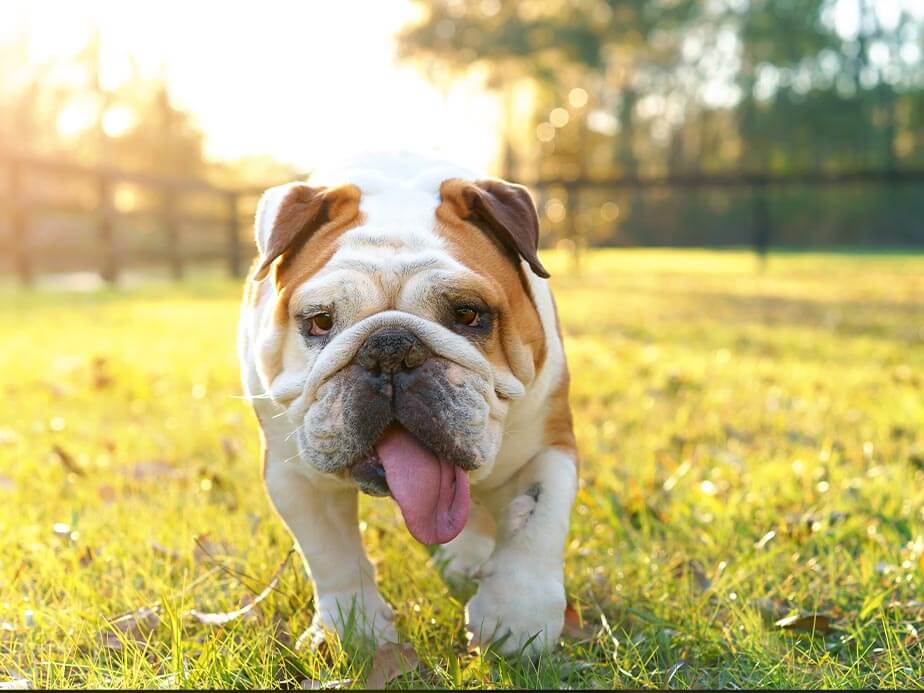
(361, 614)
(518, 611)
(460, 560)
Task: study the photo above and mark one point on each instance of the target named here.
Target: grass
(752, 449)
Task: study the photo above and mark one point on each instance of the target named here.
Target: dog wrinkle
(520, 336)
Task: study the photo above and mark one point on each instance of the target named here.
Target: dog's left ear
(503, 210)
(288, 215)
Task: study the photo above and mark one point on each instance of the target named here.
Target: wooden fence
(25, 212)
(757, 221)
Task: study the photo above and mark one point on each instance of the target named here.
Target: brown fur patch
(559, 426)
(519, 319)
(310, 248)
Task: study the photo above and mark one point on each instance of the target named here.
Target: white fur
(375, 271)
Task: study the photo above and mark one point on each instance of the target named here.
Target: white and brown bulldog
(398, 337)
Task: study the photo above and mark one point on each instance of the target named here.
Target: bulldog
(398, 338)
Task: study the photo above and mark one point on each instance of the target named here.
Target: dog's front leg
(521, 594)
(322, 516)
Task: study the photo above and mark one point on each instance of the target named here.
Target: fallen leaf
(16, 685)
(101, 377)
(390, 661)
(107, 494)
(220, 618)
(694, 569)
(764, 540)
(67, 460)
(576, 628)
(155, 469)
(86, 557)
(231, 448)
(281, 630)
(313, 685)
(135, 625)
(807, 623)
(164, 552)
(207, 549)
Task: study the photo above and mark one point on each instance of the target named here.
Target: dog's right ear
(288, 215)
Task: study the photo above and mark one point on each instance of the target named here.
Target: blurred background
(135, 138)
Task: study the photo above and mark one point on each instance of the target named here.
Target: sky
(301, 81)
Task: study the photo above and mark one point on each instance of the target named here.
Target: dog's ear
(288, 215)
(503, 210)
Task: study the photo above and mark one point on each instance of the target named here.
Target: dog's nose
(392, 349)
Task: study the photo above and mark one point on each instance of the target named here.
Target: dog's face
(403, 326)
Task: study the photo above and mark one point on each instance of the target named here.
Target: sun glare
(117, 120)
(302, 82)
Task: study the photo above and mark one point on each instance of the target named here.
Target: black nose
(390, 350)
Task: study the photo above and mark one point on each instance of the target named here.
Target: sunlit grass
(714, 406)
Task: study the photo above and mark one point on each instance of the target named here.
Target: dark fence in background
(812, 209)
(62, 217)
(57, 217)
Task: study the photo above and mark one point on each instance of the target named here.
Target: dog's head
(402, 327)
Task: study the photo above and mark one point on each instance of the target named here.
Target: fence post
(174, 252)
(109, 266)
(19, 223)
(234, 241)
(761, 229)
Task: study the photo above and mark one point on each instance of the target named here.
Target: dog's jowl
(398, 338)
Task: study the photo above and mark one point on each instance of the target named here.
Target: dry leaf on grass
(101, 377)
(207, 549)
(231, 448)
(135, 625)
(16, 685)
(390, 661)
(154, 469)
(764, 540)
(164, 552)
(281, 630)
(223, 617)
(67, 460)
(107, 494)
(694, 569)
(807, 623)
(333, 684)
(576, 628)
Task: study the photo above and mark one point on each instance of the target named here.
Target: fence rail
(24, 211)
(756, 216)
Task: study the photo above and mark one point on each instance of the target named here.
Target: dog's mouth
(433, 494)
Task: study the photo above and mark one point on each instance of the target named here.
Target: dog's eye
(320, 324)
(466, 316)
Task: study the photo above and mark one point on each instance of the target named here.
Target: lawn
(751, 510)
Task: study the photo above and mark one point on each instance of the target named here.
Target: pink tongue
(432, 494)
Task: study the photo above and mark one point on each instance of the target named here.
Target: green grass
(714, 405)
